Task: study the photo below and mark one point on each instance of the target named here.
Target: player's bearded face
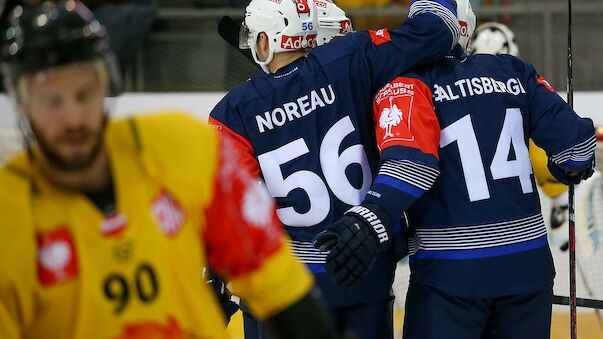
(65, 108)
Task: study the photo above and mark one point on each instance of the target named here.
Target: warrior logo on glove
(373, 220)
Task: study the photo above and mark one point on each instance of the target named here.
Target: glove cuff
(375, 220)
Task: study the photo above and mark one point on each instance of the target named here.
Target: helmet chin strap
(263, 64)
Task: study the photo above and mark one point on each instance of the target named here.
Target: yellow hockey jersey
(68, 271)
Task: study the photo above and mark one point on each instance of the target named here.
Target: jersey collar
(289, 69)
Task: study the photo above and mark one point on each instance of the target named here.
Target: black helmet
(51, 34)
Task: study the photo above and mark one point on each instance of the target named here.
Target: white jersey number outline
(333, 167)
(511, 135)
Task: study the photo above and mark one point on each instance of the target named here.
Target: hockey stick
(229, 29)
(590, 303)
(571, 204)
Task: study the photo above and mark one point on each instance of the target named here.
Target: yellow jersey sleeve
(550, 186)
(17, 253)
(277, 284)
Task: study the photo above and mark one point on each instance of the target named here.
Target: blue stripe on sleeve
(399, 185)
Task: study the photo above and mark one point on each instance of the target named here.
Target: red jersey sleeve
(242, 228)
(242, 144)
(404, 115)
(245, 241)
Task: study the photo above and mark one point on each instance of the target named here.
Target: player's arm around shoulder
(17, 255)
(429, 33)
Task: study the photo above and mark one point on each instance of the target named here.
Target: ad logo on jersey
(168, 214)
(298, 41)
(394, 102)
(390, 117)
(113, 224)
(257, 206)
(57, 260)
(380, 37)
(545, 83)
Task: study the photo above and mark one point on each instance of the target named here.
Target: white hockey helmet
(332, 21)
(467, 22)
(494, 38)
(290, 25)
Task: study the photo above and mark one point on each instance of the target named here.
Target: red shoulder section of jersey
(545, 83)
(242, 144)
(379, 37)
(404, 115)
(242, 229)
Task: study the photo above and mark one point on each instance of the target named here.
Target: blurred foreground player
(480, 263)
(305, 125)
(496, 38)
(106, 224)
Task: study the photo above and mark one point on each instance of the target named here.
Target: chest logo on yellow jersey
(113, 224)
(57, 261)
(167, 213)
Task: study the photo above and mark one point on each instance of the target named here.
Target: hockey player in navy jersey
(304, 124)
(496, 38)
(454, 138)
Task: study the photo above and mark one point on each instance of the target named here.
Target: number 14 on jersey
(512, 135)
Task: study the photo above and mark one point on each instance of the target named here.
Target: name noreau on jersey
(306, 127)
(478, 231)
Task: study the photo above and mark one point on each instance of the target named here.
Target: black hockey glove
(229, 307)
(354, 241)
(570, 178)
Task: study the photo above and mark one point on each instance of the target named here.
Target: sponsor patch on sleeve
(380, 36)
(404, 116)
(545, 83)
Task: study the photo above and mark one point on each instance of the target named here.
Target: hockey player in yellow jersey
(105, 225)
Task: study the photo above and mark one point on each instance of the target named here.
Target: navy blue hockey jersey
(454, 141)
(304, 129)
